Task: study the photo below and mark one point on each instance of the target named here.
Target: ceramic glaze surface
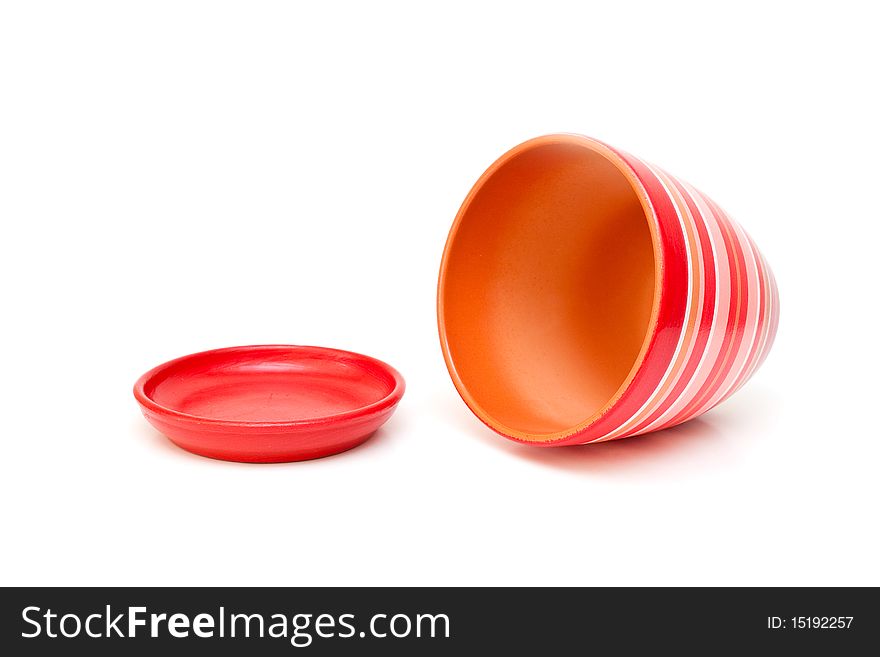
(269, 403)
(586, 295)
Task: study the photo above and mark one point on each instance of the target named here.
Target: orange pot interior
(547, 288)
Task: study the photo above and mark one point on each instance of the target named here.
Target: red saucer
(271, 403)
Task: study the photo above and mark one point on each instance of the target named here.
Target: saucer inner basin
(268, 386)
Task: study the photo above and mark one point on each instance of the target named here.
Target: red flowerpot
(586, 295)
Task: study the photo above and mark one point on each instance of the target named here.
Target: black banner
(407, 621)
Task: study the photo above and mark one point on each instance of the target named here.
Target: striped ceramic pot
(586, 295)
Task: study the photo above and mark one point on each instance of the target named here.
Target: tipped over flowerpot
(586, 295)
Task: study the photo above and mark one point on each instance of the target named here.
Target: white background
(178, 176)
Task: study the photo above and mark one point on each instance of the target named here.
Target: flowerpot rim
(650, 214)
